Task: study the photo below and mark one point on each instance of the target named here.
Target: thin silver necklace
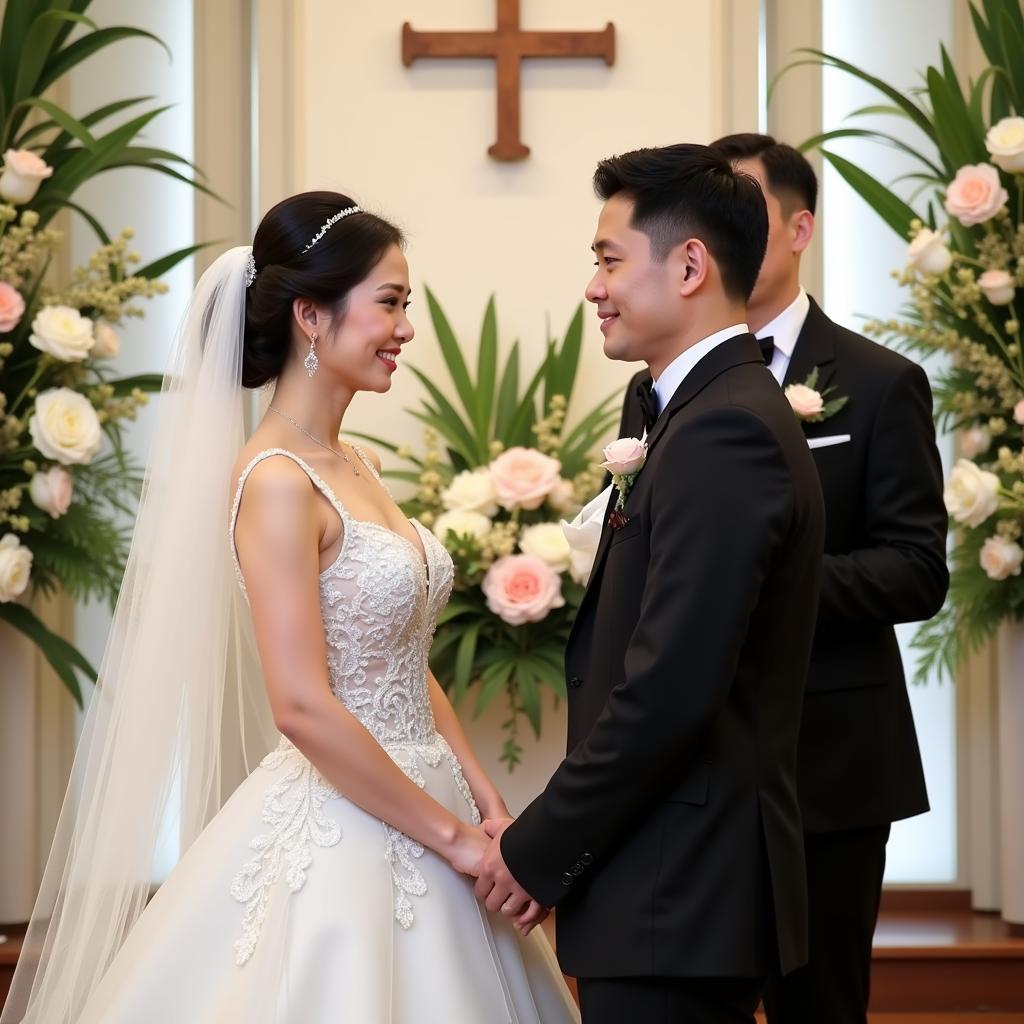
(303, 430)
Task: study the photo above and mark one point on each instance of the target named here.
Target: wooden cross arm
(445, 44)
(416, 44)
(569, 44)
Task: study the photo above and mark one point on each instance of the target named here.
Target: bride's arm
(280, 522)
(486, 794)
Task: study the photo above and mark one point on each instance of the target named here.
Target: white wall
(893, 42)
(412, 143)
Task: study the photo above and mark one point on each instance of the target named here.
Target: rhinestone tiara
(330, 222)
(250, 269)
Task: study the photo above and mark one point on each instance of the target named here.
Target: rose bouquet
(493, 481)
(65, 479)
(964, 273)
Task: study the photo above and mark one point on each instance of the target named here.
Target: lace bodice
(379, 603)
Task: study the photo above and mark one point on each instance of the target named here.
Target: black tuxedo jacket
(885, 562)
(670, 836)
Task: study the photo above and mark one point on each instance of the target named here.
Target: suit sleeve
(900, 572)
(711, 548)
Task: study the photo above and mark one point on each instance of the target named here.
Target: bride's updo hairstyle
(288, 267)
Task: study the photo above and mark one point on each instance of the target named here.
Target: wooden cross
(508, 44)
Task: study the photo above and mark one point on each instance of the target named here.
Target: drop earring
(311, 362)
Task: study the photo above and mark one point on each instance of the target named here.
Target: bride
(332, 883)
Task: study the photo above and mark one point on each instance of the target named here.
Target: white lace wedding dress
(296, 906)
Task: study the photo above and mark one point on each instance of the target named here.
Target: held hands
(497, 889)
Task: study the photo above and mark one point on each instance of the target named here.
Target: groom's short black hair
(686, 191)
(790, 176)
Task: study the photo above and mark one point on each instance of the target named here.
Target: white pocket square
(826, 442)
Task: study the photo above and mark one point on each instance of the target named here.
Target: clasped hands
(495, 885)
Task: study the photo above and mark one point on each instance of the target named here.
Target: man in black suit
(859, 767)
(669, 838)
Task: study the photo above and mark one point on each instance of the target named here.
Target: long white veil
(179, 681)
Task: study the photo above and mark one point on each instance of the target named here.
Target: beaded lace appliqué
(379, 603)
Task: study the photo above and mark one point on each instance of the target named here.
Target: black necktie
(648, 404)
(767, 348)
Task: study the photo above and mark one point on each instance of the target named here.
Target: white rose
(1005, 143)
(548, 543)
(928, 253)
(804, 401)
(971, 494)
(23, 173)
(62, 332)
(975, 442)
(472, 490)
(106, 344)
(65, 426)
(998, 287)
(461, 523)
(51, 491)
(562, 497)
(15, 567)
(1001, 558)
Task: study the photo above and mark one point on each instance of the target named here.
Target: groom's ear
(690, 264)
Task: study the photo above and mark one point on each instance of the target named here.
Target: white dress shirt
(674, 374)
(785, 329)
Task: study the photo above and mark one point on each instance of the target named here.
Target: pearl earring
(311, 362)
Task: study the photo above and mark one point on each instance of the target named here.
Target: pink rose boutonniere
(624, 459)
(809, 404)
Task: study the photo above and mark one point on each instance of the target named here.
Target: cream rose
(22, 175)
(975, 195)
(998, 287)
(804, 401)
(547, 542)
(522, 588)
(1018, 412)
(1005, 142)
(51, 491)
(975, 441)
(461, 523)
(524, 477)
(62, 332)
(928, 253)
(15, 567)
(65, 426)
(562, 496)
(1001, 558)
(472, 490)
(12, 307)
(624, 456)
(971, 494)
(106, 343)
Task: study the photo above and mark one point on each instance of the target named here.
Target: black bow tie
(767, 348)
(648, 404)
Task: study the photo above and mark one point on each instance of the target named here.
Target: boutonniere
(624, 459)
(809, 404)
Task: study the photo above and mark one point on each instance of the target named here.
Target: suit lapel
(742, 348)
(814, 348)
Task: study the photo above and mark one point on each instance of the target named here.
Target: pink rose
(804, 401)
(1018, 412)
(624, 456)
(1001, 558)
(51, 491)
(23, 173)
(12, 307)
(998, 287)
(524, 477)
(975, 195)
(522, 588)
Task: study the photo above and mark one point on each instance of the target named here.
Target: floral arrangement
(964, 274)
(66, 482)
(492, 482)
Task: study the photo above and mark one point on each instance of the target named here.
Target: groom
(669, 838)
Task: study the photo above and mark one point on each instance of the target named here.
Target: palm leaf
(896, 213)
(486, 375)
(452, 355)
(63, 61)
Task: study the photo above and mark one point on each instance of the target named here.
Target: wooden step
(944, 961)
